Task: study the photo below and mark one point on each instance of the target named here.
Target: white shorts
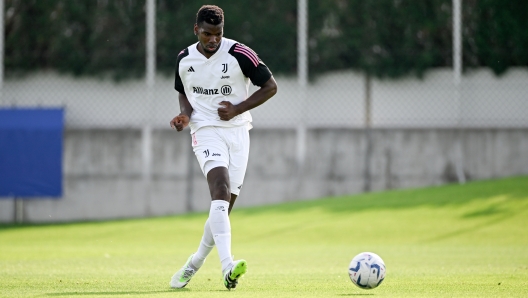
(223, 146)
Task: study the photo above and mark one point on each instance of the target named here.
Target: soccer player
(212, 78)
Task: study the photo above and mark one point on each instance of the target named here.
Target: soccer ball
(367, 270)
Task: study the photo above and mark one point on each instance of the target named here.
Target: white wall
(333, 100)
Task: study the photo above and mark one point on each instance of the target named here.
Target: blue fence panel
(31, 152)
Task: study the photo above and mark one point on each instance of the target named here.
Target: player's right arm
(182, 120)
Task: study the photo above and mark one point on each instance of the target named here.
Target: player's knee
(221, 190)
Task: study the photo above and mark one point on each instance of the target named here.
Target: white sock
(221, 230)
(205, 247)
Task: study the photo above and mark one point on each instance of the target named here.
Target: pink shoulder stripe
(247, 49)
(181, 52)
(248, 54)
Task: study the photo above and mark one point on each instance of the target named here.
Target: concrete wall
(103, 170)
(333, 100)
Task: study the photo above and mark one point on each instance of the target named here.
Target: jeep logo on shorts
(226, 90)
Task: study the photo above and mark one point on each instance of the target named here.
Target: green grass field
(451, 241)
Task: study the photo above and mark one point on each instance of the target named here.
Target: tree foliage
(75, 36)
(385, 38)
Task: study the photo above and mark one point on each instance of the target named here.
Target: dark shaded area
(385, 38)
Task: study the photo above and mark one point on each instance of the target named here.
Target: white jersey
(224, 76)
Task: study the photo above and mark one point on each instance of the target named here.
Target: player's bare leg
(218, 180)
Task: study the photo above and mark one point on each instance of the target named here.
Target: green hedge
(386, 38)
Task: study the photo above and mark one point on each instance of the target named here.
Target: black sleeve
(178, 85)
(250, 63)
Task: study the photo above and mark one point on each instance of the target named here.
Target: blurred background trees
(384, 38)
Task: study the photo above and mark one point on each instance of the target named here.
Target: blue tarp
(31, 152)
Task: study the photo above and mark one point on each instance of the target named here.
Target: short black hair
(210, 14)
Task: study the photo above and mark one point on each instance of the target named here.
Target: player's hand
(227, 111)
(179, 122)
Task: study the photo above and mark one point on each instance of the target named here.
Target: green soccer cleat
(181, 278)
(232, 275)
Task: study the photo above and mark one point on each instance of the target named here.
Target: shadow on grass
(133, 293)
(512, 189)
(489, 210)
(501, 200)
(468, 230)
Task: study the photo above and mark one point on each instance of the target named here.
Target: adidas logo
(191, 69)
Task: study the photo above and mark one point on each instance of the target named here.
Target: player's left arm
(259, 74)
(266, 91)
